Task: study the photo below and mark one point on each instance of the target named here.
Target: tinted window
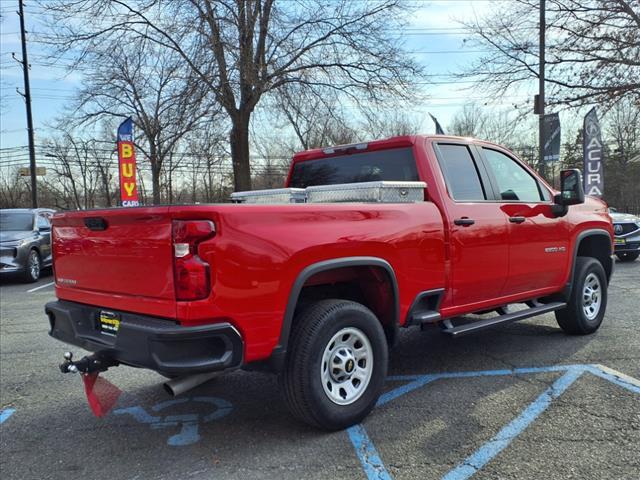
(396, 164)
(514, 182)
(16, 222)
(460, 172)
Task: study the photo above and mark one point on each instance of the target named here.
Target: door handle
(517, 219)
(464, 221)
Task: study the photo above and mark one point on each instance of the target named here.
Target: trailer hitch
(101, 394)
(95, 363)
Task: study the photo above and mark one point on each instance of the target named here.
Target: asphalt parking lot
(523, 401)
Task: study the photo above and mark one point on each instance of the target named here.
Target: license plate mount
(109, 322)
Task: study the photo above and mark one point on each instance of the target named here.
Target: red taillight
(191, 273)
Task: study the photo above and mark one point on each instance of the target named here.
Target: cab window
(514, 183)
(396, 164)
(460, 173)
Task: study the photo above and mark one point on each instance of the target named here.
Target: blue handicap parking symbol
(374, 467)
(5, 414)
(189, 422)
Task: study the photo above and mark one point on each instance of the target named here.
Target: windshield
(392, 165)
(16, 222)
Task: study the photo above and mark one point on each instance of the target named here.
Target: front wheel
(627, 256)
(336, 365)
(32, 268)
(588, 301)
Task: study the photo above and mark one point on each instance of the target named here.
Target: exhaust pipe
(180, 385)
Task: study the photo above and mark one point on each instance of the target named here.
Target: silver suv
(25, 242)
(626, 228)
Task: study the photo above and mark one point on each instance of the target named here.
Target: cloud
(447, 14)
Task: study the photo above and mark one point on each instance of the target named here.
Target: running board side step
(427, 316)
(425, 308)
(503, 319)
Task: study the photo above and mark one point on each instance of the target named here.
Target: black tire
(574, 319)
(312, 336)
(627, 256)
(33, 267)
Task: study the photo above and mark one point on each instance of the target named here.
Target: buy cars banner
(127, 165)
(593, 155)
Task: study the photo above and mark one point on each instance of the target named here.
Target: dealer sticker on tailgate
(109, 322)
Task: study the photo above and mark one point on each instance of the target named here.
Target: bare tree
(622, 162)
(75, 173)
(274, 157)
(208, 153)
(468, 121)
(491, 125)
(390, 123)
(243, 50)
(623, 129)
(106, 179)
(315, 116)
(593, 54)
(14, 189)
(149, 83)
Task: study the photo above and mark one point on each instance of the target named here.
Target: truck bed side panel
(259, 251)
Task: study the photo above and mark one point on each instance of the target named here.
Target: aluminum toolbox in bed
(376, 192)
(277, 195)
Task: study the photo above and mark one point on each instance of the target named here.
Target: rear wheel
(627, 256)
(33, 267)
(336, 365)
(588, 301)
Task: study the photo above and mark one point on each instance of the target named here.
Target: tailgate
(124, 253)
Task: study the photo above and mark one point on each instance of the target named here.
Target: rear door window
(397, 164)
(460, 172)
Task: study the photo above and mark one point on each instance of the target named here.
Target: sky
(434, 35)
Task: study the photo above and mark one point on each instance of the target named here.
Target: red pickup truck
(317, 291)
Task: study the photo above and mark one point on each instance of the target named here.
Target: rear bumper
(148, 342)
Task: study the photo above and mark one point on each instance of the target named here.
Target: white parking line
(41, 286)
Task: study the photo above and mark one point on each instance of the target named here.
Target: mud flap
(102, 395)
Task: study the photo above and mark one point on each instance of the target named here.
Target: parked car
(626, 228)
(25, 242)
(412, 230)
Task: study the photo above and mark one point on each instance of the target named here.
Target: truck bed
(255, 256)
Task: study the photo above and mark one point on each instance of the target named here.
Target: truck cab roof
(383, 144)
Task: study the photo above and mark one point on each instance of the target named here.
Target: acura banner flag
(551, 152)
(127, 165)
(593, 155)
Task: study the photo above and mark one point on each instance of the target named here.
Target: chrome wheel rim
(34, 265)
(591, 296)
(347, 365)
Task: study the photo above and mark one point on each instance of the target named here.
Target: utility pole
(27, 100)
(540, 105)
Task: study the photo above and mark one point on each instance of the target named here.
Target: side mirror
(44, 229)
(571, 189)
